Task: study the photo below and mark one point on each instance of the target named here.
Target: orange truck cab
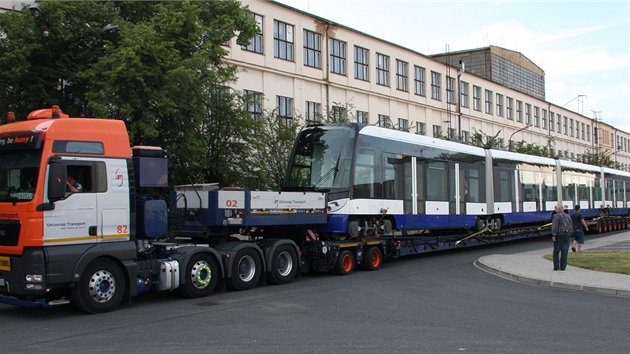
(50, 231)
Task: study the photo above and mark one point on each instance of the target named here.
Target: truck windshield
(18, 174)
(322, 158)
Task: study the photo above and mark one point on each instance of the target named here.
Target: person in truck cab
(73, 186)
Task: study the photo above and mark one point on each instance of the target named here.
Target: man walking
(578, 231)
(561, 231)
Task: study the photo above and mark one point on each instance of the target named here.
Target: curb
(531, 281)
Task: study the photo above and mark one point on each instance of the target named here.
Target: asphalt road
(436, 303)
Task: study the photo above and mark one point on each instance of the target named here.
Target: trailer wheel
(101, 287)
(345, 263)
(373, 258)
(202, 275)
(245, 270)
(283, 264)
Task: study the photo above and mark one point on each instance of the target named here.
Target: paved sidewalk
(532, 268)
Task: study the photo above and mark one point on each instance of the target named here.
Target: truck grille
(9, 232)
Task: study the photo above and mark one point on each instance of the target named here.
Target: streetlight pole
(520, 130)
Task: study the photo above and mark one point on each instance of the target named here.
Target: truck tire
(246, 270)
(345, 263)
(101, 287)
(373, 258)
(202, 276)
(284, 265)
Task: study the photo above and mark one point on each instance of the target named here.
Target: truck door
(74, 218)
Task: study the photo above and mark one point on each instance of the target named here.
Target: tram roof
(406, 137)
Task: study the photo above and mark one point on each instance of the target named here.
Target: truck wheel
(283, 264)
(373, 258)
(345, 263)
(245, 270)
(101, 287)
(202, 275)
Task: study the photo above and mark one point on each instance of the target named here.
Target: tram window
(364, 175)
(392, 176)
(619, 191)
(472, 188)
(437, 187)
(503, 186)
(583, 190)
(549, 187)
(529, 186)
(597, 190)
(609, 189)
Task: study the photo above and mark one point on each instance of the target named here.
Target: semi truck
(123, 232)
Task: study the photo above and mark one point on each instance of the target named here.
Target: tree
(478, 138)
(159, 73)
(598, 158)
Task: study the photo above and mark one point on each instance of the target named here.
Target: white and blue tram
(385, 179)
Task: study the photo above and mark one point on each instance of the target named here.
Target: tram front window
(321, 159)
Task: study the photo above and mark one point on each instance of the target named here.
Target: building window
(403, 124)
(544, 119)
(402, 75)
(528, 114)
(583, 125)
(566, 125)
(312, 49)
(383, 121)
(577, 129)
(571, 127)
(362, 117)
(284, 107)
(588, 133)
(559, 124)
(536, 117)
(452, 134)
(436, 85)
(465, 136)
(450, 90)
(552, 121)
(509, 108)
(419, 81)
(361, 63)
(437, 131)
(421, 128)
(488, 102)
(337, 57)
(313, 112)
(519, 111)
(499, 105)
(253, 103)
(382, 69)
(340, 114)
(282, 40)
(476, 98)
(464, 93)
(256, 44)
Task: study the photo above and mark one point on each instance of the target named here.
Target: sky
(583, 46)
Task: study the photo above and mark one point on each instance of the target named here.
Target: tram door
(414, 186)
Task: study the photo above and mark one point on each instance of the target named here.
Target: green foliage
(478, 138)
(160, 73)
(598, 158)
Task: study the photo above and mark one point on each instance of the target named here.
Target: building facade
(302, 65)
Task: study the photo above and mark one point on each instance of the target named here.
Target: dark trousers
(561, 248)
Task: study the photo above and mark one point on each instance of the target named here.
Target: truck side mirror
(57, 181)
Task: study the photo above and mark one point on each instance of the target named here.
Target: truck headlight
(34, 278)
